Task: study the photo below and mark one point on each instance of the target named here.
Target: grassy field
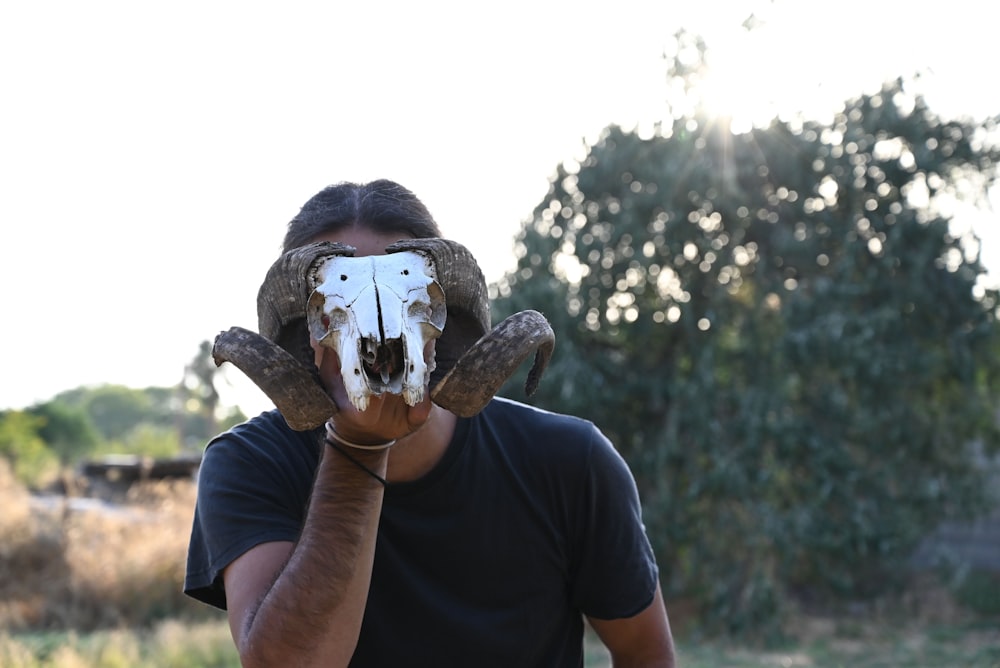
(936, 647)
(174, 644)
(841, 645)
(170, 644)
(121, 568)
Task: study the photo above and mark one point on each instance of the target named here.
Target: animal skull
(378, 313)
(471, 358)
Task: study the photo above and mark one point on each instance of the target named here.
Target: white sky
(151, 153)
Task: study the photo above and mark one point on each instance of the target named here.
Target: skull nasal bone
(386, 358)
(381, 325)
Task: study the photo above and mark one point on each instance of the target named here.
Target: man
(405, 535)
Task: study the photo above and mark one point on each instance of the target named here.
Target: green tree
(66, 430)
(198, 390)
(114, 410)
(782, 334)
(114, 418)
(32, 462)
(149, 440)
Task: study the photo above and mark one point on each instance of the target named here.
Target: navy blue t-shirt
(529, 520)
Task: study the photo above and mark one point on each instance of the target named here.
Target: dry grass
(102, 588)
(107, 567)
(170, 644)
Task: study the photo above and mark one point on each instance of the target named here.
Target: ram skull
(471, 359)
(378, 313)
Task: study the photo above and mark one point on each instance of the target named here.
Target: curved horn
(279, 360)
(291, 386)
(480, 372)
(282, 298)
(472, 360)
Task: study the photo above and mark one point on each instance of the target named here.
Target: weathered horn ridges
(287, 285)
(293, 387)
(486, 366)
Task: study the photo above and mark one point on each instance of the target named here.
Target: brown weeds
(69, 566)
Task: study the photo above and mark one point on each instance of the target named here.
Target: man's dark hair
(382, 206)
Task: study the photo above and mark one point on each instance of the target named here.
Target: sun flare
(730, 94)
(763, 69)
(738, 83)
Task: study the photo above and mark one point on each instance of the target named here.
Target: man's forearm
(312, 613)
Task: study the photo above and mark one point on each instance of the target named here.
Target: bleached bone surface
(378, 313)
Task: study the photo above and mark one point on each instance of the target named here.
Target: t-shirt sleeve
(245, 498)
(615, 572)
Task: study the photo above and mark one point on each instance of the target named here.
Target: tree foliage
(198, 386)
(32, 463)
(783, 334)
(114, 410)
(89, 421)
(66, 430)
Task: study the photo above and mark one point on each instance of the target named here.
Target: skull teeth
(383, 361)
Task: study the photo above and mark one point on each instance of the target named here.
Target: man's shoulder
(264, 437)
(542, 432)
(269, 425)
(501, 408)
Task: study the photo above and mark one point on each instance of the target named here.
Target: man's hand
(387, 417)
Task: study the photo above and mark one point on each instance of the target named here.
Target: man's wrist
(370, 461)
(334, 436)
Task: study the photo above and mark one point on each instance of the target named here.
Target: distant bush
(25, 453)
(979, 591)
(48, 438)
(67, 430)
(148, 440)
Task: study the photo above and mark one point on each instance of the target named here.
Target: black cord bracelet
(333, 444)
